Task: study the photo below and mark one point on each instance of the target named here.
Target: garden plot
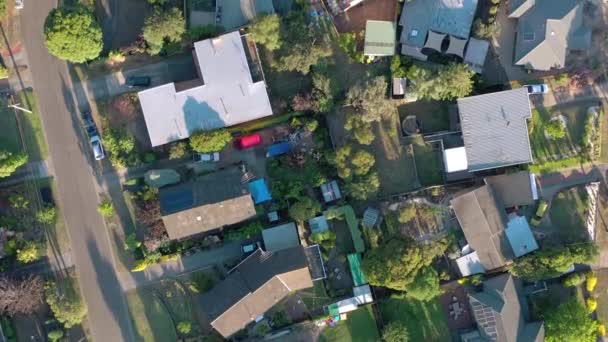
(417, 219)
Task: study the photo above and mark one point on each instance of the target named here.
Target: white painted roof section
(455, 159)
(470, 264)
(363, 294)
(228, 96)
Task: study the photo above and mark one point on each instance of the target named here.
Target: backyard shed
(280, 237)
(371, 217)
(380, 38)
(399, 86)
(318, 224)
(331, 191)
(259, 191)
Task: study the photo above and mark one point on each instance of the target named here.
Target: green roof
(380, 39)
(354, 260)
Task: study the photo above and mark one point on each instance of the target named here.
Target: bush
(116, 57)
(149, 157)
(591, 304)
(131, 182)
(31, 251)
(407, 213)
(555, 129)
(65, 303)
(601, 330)
(210, 141)
(55, 335)
(203, 32)
(202, 281)
(131, 242)
(178, 150)
(493, 10)
(591, 281)
(244, 232)
(561, 80)
(184, 327)
(3, 72)
(106, 208)
(395, 331)
(574, 279)
(47, 215)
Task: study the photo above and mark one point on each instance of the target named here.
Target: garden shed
(281, 237)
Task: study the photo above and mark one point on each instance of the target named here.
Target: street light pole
(20, 108)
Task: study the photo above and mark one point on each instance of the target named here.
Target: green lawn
(360, 326)
(425, 321)
(432, 115)
(428, 163)
(9, 133)
(315, 297)
(33, 133)
(344, 241)
(567, 214)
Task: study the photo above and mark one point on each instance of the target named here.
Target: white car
(207, 157)
(19, 4)
(537, 88)
(97, 147)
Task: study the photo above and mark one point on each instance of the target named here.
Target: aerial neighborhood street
(320, 170)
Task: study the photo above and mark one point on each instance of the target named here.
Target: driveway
(77, 191)
(175, 69)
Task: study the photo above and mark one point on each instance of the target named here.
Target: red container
(249, 141)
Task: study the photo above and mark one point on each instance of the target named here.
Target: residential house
(502, 314)
(224, 94)
(210, 202)
(234, 14)
(494, 130)
(547, 30)
(254, 286)
(426, 23)
(494, 237)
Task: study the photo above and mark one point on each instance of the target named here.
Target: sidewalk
(185, 264)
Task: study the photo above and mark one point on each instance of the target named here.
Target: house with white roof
(223, 95)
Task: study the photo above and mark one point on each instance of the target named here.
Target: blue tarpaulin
(259, 191)
(278, 149)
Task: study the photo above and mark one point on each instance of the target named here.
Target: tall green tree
(163, 26)
(73, 34)
(304, 209)
(370, 99)
(65, 303)
(364, 187)
(266, 31)
(210, 141)
(9, 162)
(396, 263)
(362, 161)
(442, 83)
(425, 286)
(570, 322)
(551, 262)
(395, 331)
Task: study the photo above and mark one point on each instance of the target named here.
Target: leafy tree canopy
(370, 98)
(210, 141)
(551, 262)
(395, 331)
(72, 34)
(306, 208)
(425, 286)
(364, 187)
(570, 322)
(444, 83)
(396, 262)
(31, 251)
(9, 162)
(65, 303)
(163, 26)
(267, 31)
(362, 162)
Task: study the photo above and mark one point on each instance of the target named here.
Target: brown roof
(483, 221)
(255, 285)
(211, 202)
(513, 189)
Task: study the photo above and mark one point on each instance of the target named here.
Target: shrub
(493, 10)
(562, 80)
(601, 330)
(106, 208)
(184, 327)
(131, 181)
(178, 150)
(131, 242)
(3, 72)
(202, 281)
(203, 32)
(591, 281)
(574, 279)
(47, 215)
(591, 304)
(262, 330)
(555, 129)
(495, 2)
(55, 335)
(65, 303)
(407, 213)
(116, 57)
(31, 251)
(18, 201)
(149, 157)
(395, 331)
(210, 141)
(311, 125)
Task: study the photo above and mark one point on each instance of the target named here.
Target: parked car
(250, 247)
(248, 141)
(537, 88)
(207, 157)
(138, 81)
(540, 212)
(19, 4)
(97, 147)
(89, 124)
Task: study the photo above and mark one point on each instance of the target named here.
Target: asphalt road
(77, 191)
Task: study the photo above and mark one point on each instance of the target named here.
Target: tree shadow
(200, 116)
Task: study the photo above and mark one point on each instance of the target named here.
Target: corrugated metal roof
(380, 39)
(495, 129)
(281, 237)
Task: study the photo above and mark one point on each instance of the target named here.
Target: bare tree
(21, 296)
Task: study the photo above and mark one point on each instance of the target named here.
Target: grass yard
(432, 115)
(9, 134)
(567, 213)
(360, 326)
(546, 301)
(316, 297)
(156, 309)
(344, 241)
(428, 163)
(602, 291)
(425, 321)
(548, 149)
(33, 133)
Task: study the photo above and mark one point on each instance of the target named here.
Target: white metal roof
(455, 159)
(228, 96)
(470, 264)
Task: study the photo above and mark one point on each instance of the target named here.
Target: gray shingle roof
(546, 30)
(495, 129)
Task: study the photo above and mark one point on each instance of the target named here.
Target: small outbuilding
(318, 224)
(331, 191)
(380, 38)
(259, 191)
(280, 237)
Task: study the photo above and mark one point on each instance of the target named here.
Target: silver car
(97, 148)
(537, 88)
